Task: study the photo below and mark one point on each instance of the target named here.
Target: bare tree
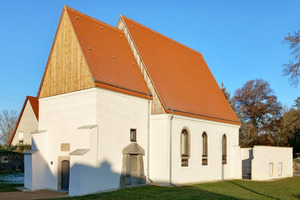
(8, 120)
(292, 69)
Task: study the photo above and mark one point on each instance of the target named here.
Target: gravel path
(12, 178)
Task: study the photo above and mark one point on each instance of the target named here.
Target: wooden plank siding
(156, 105)
(66, 69)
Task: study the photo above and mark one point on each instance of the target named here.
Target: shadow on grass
(253, 191)
(156, 192)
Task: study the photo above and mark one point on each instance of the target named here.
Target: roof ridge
(92, 19)
(162, 35)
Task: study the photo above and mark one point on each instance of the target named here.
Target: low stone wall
(11, 161)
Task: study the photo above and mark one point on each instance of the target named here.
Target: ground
(235, 189)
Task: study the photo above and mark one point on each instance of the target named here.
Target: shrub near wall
(11, 161)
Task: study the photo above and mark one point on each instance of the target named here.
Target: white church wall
(272, 162)
(195, 171)
(215, 170)
(117, 113)
(160, 149)
(61, 116)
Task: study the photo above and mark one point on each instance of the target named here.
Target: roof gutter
(170, 164)
(116, 86)
(174, 110)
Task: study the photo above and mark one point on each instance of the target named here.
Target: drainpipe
(170, 175)
(148, 136)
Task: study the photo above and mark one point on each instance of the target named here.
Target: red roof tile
(35, 105)
(108, 55)
(34, 102)
(180, 75)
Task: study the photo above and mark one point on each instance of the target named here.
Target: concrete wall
(161, 126)
(272, 162)
(28, 123)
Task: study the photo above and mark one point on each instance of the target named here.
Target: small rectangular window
(21, 136)
(132, 135)
(270, 169)
(279, 168)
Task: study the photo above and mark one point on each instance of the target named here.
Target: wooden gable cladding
(66, 69)
(156, 105)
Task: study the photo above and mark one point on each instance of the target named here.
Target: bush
(19, 148)
(297, 160)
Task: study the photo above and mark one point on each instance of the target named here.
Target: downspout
(148, 146)
(170, 169)
(97, 144)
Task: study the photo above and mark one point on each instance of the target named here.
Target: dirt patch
(41, 194)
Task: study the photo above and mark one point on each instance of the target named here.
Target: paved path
(41, 194)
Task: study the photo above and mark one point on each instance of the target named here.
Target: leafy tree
(292, 69)
(291, 127)
(260, 112)
(8, 121)
(227, 94)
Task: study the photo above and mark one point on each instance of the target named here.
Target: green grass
(8, 187)
(288, 188)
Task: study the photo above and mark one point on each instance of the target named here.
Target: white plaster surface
(27, 124)
(267, 161)
(100, 168)
(195, 172)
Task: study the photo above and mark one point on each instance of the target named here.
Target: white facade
(95, 119)
(28, 123)
(164, 127)
(268, 162)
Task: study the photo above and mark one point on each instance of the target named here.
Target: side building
(27, 122)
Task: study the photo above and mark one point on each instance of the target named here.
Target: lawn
(8, 187)
(288, 188)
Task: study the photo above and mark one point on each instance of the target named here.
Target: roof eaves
(122, 90)
(184, 113)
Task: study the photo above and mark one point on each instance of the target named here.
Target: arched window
(204, 149)
(185, 149)
(224, 150)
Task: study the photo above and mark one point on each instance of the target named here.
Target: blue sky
(240, 40)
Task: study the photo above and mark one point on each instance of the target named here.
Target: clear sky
(240, 40)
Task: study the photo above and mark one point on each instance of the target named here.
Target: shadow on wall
(86, 179)
(93, 180)
(37, 174)
(247, 165)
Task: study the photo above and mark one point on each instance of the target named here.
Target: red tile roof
(180, 75)
(35, 105)
(34, 102)
(108, 55)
